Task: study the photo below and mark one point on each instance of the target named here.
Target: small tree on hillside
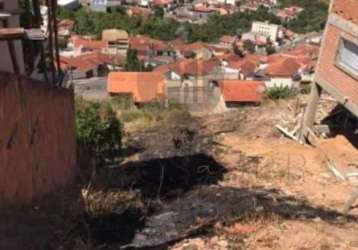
(249, 46)
(270, 49)
(158, 12)
(132, 62)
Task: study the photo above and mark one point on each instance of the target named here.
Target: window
(347, 57)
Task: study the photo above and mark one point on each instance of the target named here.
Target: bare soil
(227, 181)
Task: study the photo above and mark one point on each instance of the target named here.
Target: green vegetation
(270, 49)
(158, 12)
(99, 132)
(92, 23)
(279, 92)
(132, 61)
(249, 46)
(312, 18)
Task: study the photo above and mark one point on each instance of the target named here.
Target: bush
(99, 132)
(280, 92)
(122, 102)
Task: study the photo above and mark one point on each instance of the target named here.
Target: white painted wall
(266, 29)
(281, 82)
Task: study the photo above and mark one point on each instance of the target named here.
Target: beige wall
(5, 61)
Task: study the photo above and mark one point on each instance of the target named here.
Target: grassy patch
(279, 92)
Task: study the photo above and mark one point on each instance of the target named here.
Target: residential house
(287, 14)
(142, 86)
(225, 9)
(227, 70)
(144, 3)
(139, 11)
(204, 8)
(161, 3)
(241, 68)
(85, 65)
(239, 92)
(117, 40)
(78, 43)
(283, 72)
(218, 50)
(199, 49)
(65, 28)
(188, 79)
(68, 4)
(228, 41)
(147, 47)
(229, 2)
(269, 30)
(337, 67)
(104, 5)
(254, 4)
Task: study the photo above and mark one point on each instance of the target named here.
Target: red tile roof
(246, 65)
(162, 69)
(228, 39)
(145, 43)
(144, 86)
(193, 67)
(66, 24)
(229, 57)
(161, 3)
(84, 62)
(242, 91)
(145, 12)
(90, 44)
(283, 67)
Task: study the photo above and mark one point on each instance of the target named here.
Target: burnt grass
(166, 200)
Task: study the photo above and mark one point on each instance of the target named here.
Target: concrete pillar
(310, 113)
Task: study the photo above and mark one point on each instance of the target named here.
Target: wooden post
(51, 40)
(57, 52)
(310, 113)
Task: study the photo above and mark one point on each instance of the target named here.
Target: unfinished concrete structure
(337, 69)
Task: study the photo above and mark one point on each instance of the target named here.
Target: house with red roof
(85, 65)
(148, 47)
(289, 13)
(228, 41)
(161, 3)
(189, 78)
(144, 87)
(139, 11)
(65, 28)
(283, 72)
(77, 41)
(235, 67)
(238, 92)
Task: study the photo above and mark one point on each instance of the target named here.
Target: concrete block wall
(37, 138)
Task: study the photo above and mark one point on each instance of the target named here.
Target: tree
(158, 12)
(132, 62)
(99, 132)
(270, 49)
(249, 46)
